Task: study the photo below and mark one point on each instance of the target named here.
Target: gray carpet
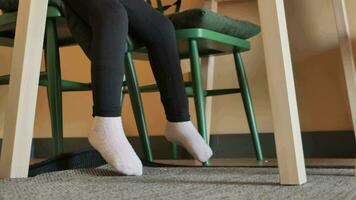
(180, 183)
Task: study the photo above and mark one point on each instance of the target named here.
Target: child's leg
(109, 23)
(158, 33)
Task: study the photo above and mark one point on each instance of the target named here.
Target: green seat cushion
(207, 19)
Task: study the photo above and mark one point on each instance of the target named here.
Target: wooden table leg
(282, 92)
(345, 41)
(23, 88)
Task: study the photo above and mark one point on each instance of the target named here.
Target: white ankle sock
(186, 135)
(107, 136)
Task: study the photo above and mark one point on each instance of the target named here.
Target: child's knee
(110, 12)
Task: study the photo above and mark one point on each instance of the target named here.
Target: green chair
(202, 33)
(57, 35)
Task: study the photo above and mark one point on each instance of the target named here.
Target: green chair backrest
(163, 8)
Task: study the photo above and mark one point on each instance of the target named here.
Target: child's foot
(186, 135)
(108, 138)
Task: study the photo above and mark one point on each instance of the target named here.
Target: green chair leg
(54, 90)
(137, 106)
(199, 98)
(122, 97)
(175, 151)
(246, 97)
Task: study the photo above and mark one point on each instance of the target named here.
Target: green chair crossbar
(194, 43)
(51, 77)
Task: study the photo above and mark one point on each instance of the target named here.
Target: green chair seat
(204, 18)
(210, 43)
(65, 37)
(12, 5)
(217, 34)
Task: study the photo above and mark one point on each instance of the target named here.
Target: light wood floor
(252, 162)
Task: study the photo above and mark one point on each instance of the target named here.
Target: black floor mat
(76, 160)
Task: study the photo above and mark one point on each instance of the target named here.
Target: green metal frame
(194, 43)
(54, 87)
(247, 101)
(51, 79)
(134, 91)
(198, 90)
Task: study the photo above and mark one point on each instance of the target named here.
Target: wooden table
(20, 113)
(281, 84)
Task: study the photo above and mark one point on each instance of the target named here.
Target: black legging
(111, 21)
